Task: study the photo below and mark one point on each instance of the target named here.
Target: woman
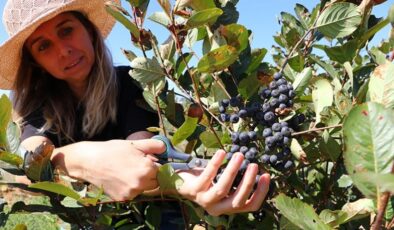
(69, 94)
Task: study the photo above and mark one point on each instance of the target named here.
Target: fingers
(204, 181)
(150, 146)
(245, 188)
(257, 198)
(231, 205)
(223, 186)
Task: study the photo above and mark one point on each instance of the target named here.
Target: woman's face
(63, 47)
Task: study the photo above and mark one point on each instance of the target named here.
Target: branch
(316, 129)
(382, 205)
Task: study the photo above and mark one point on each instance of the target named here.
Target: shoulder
(126, 82)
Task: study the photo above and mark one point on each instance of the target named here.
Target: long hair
(36, 89)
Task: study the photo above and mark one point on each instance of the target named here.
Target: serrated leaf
(302, 80)
(203, 17)
(322, 95)
(299, 213)
(249, 86)
(218, 59)
(186, 129)
(168, 179)
(148, 73)
(118, 15)
(381, 85)
(339, 20)
(343, 53)
(369, 146)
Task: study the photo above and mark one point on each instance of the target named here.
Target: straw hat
(22, 17)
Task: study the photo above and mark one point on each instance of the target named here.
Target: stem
(382, 204)
(316, 129)
(160, 115)
(294, 49)
(140, 28)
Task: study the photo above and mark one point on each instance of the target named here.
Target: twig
(382, 205)
(160, 115)
(316, 129)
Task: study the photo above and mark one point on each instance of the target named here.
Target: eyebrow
(57, 26)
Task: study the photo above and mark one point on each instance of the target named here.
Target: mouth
(73, 64)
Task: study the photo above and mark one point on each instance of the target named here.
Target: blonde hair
(34, 89)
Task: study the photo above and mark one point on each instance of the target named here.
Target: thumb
(150, 146)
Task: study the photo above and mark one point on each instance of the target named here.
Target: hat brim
(11, 50)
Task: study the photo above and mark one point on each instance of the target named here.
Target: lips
(73, 64)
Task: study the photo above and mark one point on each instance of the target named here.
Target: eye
(43, 45)
(65, 31)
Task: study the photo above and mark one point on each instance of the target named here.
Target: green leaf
(322, 95)
(186, 129)
(358, 209)
(236, 35)
(381, 85)
(329, 146)
(218, 59)
(146, 71)
(11, 158)
(160, 18)
(302, 80)
(303, 16)
(5, 118)
(339, 20)
(327, 67)
(257, 56)
(56, 188)
(249, 86)
(384, 182)
(343, 53)
(116, 12)
(369, 146)
(299, 213)
(136, 3)
(196, 4)
(166, 6)
(13, 138)
(203, 17)
(153, 215)
(297, 62)
(168, 179)
(209, 140)
(181, 63)
(333, 218)
(345, 181)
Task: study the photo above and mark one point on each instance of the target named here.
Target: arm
(123, 168)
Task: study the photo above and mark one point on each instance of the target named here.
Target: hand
(216, 198)
(122, 168)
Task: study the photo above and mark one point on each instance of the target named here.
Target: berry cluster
(261, 126)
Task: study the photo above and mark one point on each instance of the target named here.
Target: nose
(64, 49)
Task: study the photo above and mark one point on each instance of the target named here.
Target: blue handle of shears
(170, 151)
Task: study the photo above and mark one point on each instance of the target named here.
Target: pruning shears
(188, 161)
